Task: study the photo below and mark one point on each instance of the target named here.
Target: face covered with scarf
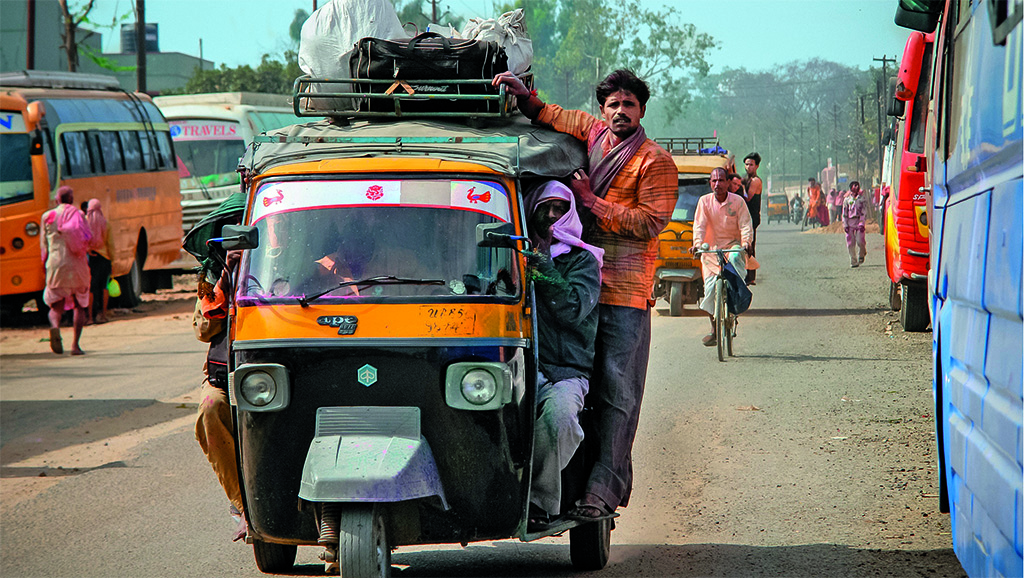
(553, 219)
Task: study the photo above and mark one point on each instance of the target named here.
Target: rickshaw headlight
(258, 388)
(479, 386)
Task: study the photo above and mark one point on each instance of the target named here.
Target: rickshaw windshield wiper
(305, 300)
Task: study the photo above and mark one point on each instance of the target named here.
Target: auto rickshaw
(383, 350)
(677, 276)
(778, 207)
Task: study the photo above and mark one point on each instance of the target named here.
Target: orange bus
(84, 131)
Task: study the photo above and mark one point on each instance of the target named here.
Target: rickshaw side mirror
(237, 237)
(498, 235)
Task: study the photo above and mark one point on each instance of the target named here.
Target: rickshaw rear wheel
(274, 558)
(675, 299)
(590, 545)
(363, 547)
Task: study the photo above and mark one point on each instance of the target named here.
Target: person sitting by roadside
(567, 279)
(723, 222)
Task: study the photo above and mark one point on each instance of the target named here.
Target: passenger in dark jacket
(567, 280)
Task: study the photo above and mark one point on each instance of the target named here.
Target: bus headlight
(478, 385)
(259, 387)
(32, 228)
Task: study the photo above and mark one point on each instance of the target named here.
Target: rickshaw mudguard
(369, 454)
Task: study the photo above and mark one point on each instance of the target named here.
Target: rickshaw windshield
(412, 240)
(690, 191)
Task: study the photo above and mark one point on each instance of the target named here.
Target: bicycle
(725, 321)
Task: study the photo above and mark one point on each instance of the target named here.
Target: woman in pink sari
(65, 251)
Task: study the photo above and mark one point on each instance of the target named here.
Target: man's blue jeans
(616, 390)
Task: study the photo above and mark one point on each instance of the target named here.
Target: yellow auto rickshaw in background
(677, 275)
(778, 207)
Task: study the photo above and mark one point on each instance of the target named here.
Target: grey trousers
(617, 388)
(556, 436)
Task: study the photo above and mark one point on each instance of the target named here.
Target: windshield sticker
(183, 130)
(480, 197)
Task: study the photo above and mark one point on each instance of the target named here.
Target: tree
(272, 76)
(295, 30)
(72, 19)
(424, 12)
(578, 42)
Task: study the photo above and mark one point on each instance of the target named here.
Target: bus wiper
(198, 179)
(305, 300)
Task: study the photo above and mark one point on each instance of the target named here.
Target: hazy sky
(755, 34)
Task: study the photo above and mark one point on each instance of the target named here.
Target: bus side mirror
(34, 112)
(237, 237)
(498, 235)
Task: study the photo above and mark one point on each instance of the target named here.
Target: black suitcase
(428, 56)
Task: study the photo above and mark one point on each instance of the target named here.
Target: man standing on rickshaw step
(567, 279)
(630, 193)
(723, 222)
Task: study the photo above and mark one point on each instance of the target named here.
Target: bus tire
(131, 287)
(914, 313)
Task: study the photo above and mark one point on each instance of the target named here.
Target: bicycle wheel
(731, 322)
(720, 314)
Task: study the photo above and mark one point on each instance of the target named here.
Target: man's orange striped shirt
(636, 209)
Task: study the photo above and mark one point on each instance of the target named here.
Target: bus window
(132, 150)
(15, 168)
(163, 141)
(110, 148)
(264, 120)
(148, 156)
(76, 154)
(920, 113)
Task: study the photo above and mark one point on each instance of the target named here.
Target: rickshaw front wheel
(363, 546)
(590, 544)
(675, 299)
(274, 558)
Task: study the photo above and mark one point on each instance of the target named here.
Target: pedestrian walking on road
(629, 195)
(65, 251)
(101, 251)
(855, 210)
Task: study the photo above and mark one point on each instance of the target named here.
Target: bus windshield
(213, 162)
(15, 168)
(317, 235)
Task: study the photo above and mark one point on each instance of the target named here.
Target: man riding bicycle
(722, 220)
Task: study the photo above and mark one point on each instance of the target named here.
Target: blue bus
(975, 166)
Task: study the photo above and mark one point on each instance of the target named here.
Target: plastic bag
(509, 31)
(114, 288)
(329, 36)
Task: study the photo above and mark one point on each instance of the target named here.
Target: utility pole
(801, 145)
(140, 45)
(30, 37)
(880, 88)
(817, 118)
(433, 10)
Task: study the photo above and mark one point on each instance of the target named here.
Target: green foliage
(272, 75)
(295, 29)
(420, 13)
(577, 43)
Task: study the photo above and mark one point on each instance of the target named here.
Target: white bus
(210, 133)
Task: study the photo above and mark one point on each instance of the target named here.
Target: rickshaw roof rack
(397, 98)
(691, 145)
(512, 146)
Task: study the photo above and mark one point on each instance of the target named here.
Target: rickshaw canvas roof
(513, 147)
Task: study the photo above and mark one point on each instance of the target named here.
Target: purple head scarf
(567, 230)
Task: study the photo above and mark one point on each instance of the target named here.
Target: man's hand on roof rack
(514, 84)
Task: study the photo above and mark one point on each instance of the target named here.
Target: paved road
(810, 454)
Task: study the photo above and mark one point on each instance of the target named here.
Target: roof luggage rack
(691, 145)
(397, 98)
